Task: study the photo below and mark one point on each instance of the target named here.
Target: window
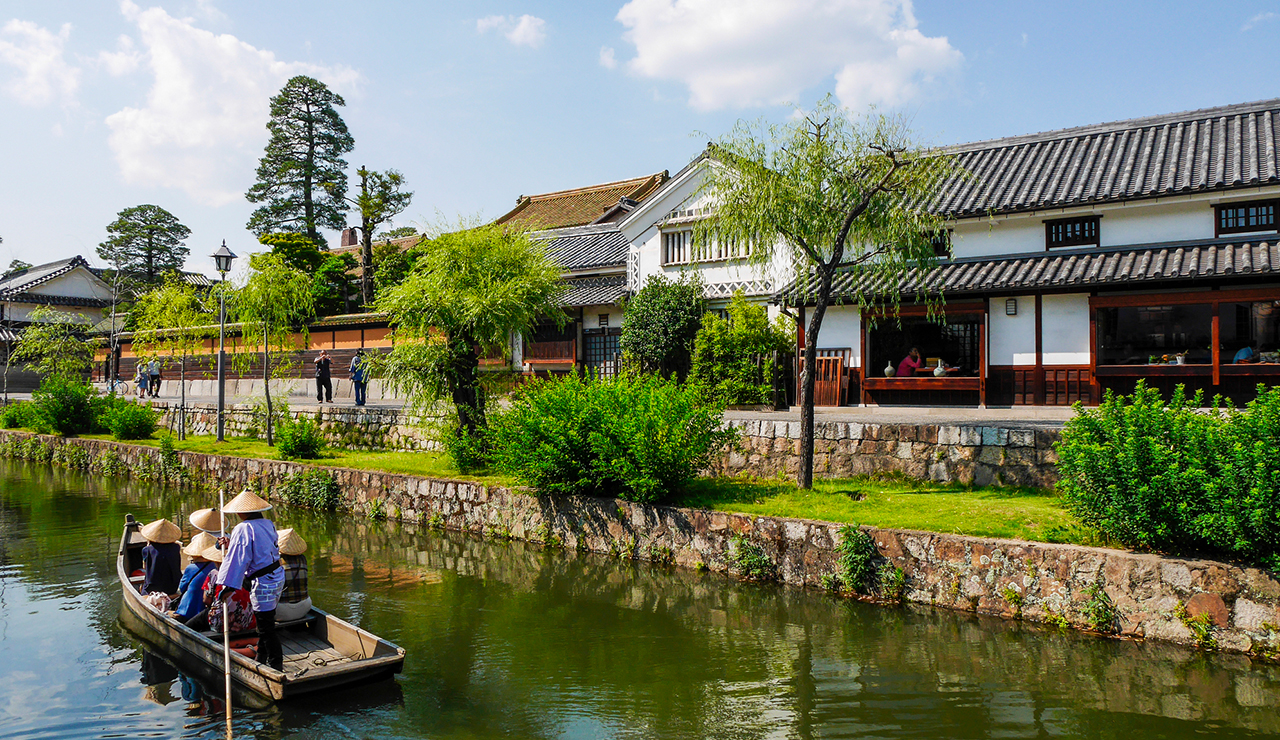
(1255, 324)
(1071, 232)
(1237, 218)
(604, 321)
(955, 341)
(941, 241)
(1133, 335)
(678, 248)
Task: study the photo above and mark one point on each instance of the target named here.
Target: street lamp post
(222, 260)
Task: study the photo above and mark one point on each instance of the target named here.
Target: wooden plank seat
(922, 383)
(292, 624)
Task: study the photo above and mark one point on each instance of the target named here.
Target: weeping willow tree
(174, 321)
(469, 292)
(829, 192)
(273, 306)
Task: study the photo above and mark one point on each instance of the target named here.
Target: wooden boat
(320, 651)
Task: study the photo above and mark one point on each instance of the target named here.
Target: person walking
(324, 386)
(142, 379)
(359, 376)
(252, 562)
(153, 370)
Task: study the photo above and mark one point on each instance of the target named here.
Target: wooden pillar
(799, 348)
(983, 338)
(865, 350)
(1095, 390)
(1215, 346)
(1038, 398)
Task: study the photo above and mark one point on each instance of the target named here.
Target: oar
(226, 622)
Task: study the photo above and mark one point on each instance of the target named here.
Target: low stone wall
(979, 455)
(346, 427)
(1238, 609)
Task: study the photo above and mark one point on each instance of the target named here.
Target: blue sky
(108, 105)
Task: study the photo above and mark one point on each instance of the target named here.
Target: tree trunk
(366, 263)
(808, 378)
(266, 383)
(468, 398)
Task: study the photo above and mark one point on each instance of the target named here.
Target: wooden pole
(226, 623)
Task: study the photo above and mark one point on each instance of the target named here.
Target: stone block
(766, 429)
(1022, 438)
(991, 455)
(1250, 615)
(970, 436)
(927, 433)
(904, 451)
(995, 436)
(948, 435)
(855, 430)
(1208, 604)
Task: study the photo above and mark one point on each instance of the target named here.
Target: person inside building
(161, 558)
(324, 386)
(912, 362)
(191, 587)
(359, 376)
(294, 601)
(252, 561)
(1246, 356)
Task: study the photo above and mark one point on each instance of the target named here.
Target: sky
(106, 105)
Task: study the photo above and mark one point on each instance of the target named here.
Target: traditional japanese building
(1083, 260)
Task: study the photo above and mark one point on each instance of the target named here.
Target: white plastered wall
(841, 327)
(79, 283)
(1013, 338)
(591, 316)
(1066, 329)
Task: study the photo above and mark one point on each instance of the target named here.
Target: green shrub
(300, 439)
(661, 322)
(1169, 477)
(857, 551)
(467, 452)
(18, 415)
(641, 438)
(750, 561)
(64, 406)
(734, 357)
(126, 420)
(315, 489)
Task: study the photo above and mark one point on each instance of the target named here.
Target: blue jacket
(192, 588)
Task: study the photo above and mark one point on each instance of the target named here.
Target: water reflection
(511, 640)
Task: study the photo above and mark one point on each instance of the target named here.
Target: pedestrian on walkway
(324, 386)
(142, 379)
(153, 370)
(359, 376)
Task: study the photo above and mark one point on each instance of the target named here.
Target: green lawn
(1025, 514)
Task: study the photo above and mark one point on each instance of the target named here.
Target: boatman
(252, 562)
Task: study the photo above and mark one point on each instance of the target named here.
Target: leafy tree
(333, 284)
(144, 243)
(173, 321)
(398, 232)
(274, 304)
(17, 266)
(302, 179)
(296, 250)
(830, 193)
(467, 294)
(734, 357)
(393, 264)
(379, 201)
(54, 346)
(662, 320)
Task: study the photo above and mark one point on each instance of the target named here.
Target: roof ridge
(1129, 124)
(594, 188)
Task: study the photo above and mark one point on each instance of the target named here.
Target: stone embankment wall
(347, 427)
(1181, 600)
(944, 453)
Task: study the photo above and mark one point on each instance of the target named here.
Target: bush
(857, 551)
(638, 437)
(315, 489)
(127, 420)
(467, 452)
(19, 415)
(1170, 477)
(64, 406)
(300, 440)
(661, 322)
(734, 357)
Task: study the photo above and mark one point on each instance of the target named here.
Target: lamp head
(223, 258)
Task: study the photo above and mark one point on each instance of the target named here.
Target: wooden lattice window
(1071, 232)
(1239, 218)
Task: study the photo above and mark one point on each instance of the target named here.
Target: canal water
(509, 640)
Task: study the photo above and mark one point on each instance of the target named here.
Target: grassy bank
(1014, 513)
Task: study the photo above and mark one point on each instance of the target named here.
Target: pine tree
(302, 181)
(144, 243)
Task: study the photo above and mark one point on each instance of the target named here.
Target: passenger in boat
(239, 610)
(207, 520)
(161, 558)
(191, 587)
(253, 560)
(912, 362)
(294, 601)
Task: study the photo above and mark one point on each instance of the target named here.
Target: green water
(508, 640)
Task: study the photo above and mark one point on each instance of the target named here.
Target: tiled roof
(594, 291)
(400, 244)
(55, 300)
(585, 247)
(1207, 150)
(580, 206)
(350, 319)
(32, 276)
(1128, 268)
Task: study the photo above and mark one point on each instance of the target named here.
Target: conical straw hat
(247, 502)
(198, 544)
(161, 531)
(206, 520)
(290, 542)
(213, 553)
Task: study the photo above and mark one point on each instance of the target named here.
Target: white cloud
(43, 73)
(1259, 18)
(527, 30)
(607, 59)
(204, 123)
(732, 53)
(125, 60)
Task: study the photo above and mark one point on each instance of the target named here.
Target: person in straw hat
(207, 520)
(239, 610)
(161, 558)
(252, 560)
(294, 601)
(191, 587)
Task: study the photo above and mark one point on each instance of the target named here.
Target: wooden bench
(306, 621)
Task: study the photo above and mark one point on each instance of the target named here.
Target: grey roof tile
(585, 247)
(594, 291)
